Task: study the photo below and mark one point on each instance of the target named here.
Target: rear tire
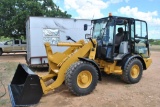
(81, 78)
(1, 52)
(132, 73)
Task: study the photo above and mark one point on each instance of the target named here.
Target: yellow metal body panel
(92, 53)
(147, 61)
(69, 44)
(109, 68)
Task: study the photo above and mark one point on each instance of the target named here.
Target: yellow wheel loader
(116, 45)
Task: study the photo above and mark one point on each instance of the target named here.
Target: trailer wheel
(1, 52)
(81, 78)
(132, 73)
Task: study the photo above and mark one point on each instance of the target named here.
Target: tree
(151, 40)
(14, 13)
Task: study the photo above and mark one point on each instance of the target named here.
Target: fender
(128, 58)
(95, 64)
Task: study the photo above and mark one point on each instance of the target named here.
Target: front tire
(81, 78)
(1, 52)
(132, 73)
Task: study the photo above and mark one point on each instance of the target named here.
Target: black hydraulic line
(4, 90)
(92, 42)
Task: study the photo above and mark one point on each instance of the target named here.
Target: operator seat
(119, 36)
(118, 39)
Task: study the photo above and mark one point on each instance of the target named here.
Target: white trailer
(46, 29)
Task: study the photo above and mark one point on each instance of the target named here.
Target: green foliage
(3, 38)
(151, 40)
(6, 38)
(154, 42)
(14, 13)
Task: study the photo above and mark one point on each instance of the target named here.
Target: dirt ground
(110, 92)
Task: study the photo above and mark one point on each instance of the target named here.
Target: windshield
(99, 28)
(103, 29)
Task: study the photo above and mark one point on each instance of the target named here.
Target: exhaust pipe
(25, 88)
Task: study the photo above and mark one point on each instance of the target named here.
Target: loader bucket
(25, 88)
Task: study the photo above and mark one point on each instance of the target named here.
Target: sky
(148, 10)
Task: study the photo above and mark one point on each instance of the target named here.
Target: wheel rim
(135, 70)
(84, 79)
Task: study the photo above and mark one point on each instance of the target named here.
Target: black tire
(132, 73)
(1, 52)
(76, 84)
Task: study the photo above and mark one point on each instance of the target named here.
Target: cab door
(141, 38)
(8, 46)
(17, 46)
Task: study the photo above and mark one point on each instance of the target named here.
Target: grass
(7, 70)
(3, 102)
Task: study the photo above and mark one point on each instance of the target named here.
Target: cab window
(9, 43)
(141, 29)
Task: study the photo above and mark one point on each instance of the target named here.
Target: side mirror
(85, 27)
(68, 37)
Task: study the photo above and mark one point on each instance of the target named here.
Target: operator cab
(119, 36)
